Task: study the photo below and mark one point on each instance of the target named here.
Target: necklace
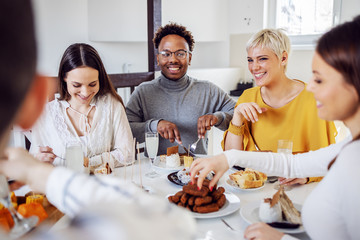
(84, 124)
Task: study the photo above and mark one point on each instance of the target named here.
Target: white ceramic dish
(234, 186)
(250, 213)
(232, 204)
(158, 165)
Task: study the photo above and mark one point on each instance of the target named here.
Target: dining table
(215, 226)
(211, 227)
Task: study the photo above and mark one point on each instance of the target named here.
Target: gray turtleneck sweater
(181, 102)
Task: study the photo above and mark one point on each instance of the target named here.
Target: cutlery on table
(186, 150)
(193, 146)
(227, 224)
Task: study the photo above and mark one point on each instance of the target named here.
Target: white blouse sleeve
(121, 153)
(310, 164)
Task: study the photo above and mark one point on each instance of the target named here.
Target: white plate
(232, 204)
(158, 165)
(234, 186)
(250, 213)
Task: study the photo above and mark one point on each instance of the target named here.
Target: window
(303, 21)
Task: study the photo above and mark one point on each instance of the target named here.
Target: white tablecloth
(212, 228)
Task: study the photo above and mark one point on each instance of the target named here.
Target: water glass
(75, 157)
(286, 147)
(152, 145)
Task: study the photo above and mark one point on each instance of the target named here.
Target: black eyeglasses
(179, 54)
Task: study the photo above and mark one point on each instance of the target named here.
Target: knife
(186, 150)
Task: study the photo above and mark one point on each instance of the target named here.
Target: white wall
(299, 65)
(61, 23)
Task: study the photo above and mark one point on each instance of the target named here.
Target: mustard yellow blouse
(297, 121)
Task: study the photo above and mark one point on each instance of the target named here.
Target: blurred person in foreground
(101, 208)
(331, 211)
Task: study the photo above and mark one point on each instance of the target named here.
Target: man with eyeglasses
(180, 108)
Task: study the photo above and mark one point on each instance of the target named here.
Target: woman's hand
(262, 231)
(249, 111)
(291, 181)
(46, 154)
(20, 165)
(203, 166)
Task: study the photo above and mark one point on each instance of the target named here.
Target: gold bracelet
(236, 130)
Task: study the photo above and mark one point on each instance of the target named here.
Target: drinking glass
(75, 157)
(21, 225)
(152, 145)
(284, 146)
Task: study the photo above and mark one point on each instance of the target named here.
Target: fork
(193, 146)
(186, 150)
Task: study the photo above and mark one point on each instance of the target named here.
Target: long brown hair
(80, 55)
(340, 48)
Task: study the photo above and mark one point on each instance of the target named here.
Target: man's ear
(157, 60)
(34, 102)
(190, 56)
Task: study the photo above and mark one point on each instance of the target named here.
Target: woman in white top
(88, 111)
(332, 210)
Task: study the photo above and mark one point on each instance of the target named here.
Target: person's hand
(86, 162)
(249, 111)
(291, 181)
(169, 130)
(20, 165)
(203, 166)
(262, 231)
(46, 154)
(205, 123)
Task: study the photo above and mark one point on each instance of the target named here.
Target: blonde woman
(331, 210)
(278, 108)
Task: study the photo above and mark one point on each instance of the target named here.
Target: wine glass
(285, 147)
(21, 225)
(152, 144)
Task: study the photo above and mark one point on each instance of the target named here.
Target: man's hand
(205, 123)
(169, 130)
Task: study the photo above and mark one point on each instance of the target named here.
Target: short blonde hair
(274, 39)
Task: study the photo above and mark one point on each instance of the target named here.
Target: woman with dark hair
(99, 208)
(332, 210)
(88, 111)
